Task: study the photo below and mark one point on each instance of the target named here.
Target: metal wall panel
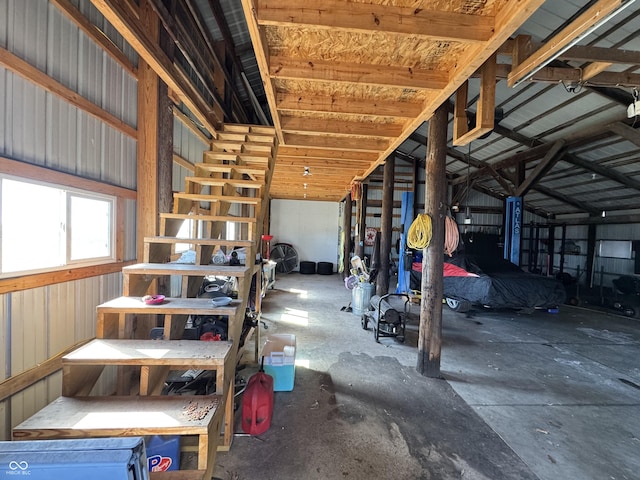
(42, 129)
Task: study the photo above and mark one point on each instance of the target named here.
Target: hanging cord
(451, 236)
(419, 235)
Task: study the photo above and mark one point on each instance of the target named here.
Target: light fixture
(604, 214)
(305, 185)
(306, 172)
(623, 5)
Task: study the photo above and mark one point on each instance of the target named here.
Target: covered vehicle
(496, 283)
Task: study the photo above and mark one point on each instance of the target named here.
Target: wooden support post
(386, 223)
(430, 336)
(362, 221)
(346, 229)
(591, 250)
(147, 170)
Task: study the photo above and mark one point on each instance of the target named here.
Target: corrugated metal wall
(39, 128)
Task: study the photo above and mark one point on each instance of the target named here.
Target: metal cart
(386, 320)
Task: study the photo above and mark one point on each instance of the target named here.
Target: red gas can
(257, 403)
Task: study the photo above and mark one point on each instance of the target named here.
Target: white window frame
(66, 228)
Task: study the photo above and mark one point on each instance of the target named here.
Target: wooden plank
(332, 14)
(200, 241)
(19, 382)
(486, 106)
(304, 102)
(80, 380)
(201, 197)
(152, 379)
(336, 154)
(175, 353)
(562, 39)
(78, 417)
(332, 142)
(381, 75)
(18, 66)
(339, 127)
(221, 182)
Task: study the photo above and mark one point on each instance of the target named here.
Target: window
(48, 227)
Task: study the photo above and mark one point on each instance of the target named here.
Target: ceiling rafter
(332, 14)
(563, 39)
(342, 72)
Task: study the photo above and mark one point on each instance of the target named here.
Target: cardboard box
(279, 354)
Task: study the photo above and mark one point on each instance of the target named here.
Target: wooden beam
(339, 127)
(18, 66)
(184, 163)
(322, 163)
(261, 52)
(486, 106)
(551, 157)
(601, 54)
(625, 131)
(191, 125)
(304, 102)
(353, 143)
(560, 42)
(95, 34)
(580, 53)
(133, 32)
(507, 20)
(16, 383)
(302, 152)
(593, 69)
(385, 75)
(362, 17)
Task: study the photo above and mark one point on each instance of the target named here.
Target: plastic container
(360, 298)
(257, 404)
(163, 452)
(74, 459)
(279, 354)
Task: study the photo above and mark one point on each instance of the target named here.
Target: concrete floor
(541, 396)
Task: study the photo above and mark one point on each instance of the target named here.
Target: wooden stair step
(221, 182)
(159, 248)
(173, 222)
(206, 218)
(118, 416)
(237, 127)
(75, 417)
(203, 197)
(238, 158)
(230, 169)
(138, 277)
(82, 367)
(241, 147)
(114, 316)
(199, 241)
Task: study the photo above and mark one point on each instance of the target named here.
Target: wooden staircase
(238, 171)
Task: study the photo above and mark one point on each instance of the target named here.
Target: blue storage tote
(74, 459)
(279, 354)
